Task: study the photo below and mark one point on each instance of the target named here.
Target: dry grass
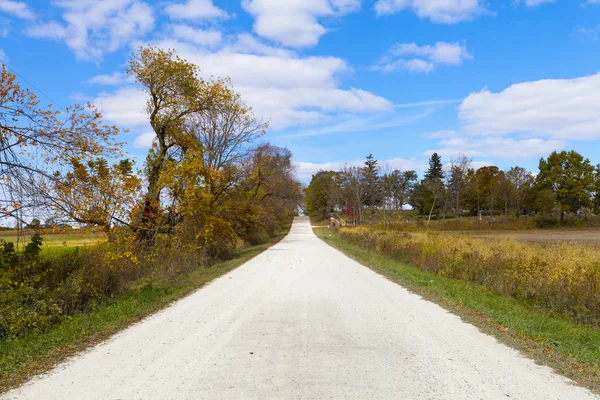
(541, 236)
(563, 278)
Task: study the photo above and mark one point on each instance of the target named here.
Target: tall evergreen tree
(373, 195)
(436, 169)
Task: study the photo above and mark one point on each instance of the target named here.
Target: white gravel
(301, 321)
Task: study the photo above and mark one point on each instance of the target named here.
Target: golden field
(561, 277)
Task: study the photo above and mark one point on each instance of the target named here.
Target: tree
(175, 94)
(458, 179)
(35, 141)
(353, 188)
(570, 177)
(520, 180)
(436, 168)
(322, 194)
(35, 224)
(372, 187)
(427, 196)
(596, 191)
(95, 193)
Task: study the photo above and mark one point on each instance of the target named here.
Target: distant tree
(372, 181)
(353, 188)
(570, 177)
(35, 224)
(457, 181)
(436, 168)
(428, 194)
(322, 194)
(596, 191)
(521, 181)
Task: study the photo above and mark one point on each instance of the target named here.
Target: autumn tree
(570, 177)
(322, 194)
(175, 94)
(35, 141)
(95, 193)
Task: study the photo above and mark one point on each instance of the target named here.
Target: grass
(36, 353)
(57, 241)
(571, 349)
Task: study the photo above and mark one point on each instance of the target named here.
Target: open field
(55, 239)
(541, 236)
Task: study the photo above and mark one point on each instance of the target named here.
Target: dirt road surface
(301, 321)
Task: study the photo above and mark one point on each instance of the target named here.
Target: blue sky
(504, 82)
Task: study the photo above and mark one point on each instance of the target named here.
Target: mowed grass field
(57, 240)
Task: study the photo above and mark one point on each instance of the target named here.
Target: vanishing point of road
(301, 321)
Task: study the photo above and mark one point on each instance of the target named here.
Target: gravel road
(301, 321)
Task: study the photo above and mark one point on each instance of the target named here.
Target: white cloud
(500, 147)
(16, 8)
(286, 89)
(442, 53)
(47, 30)
(144, 141)
(534, 3)
(115, 78)
(305, 170)
(92, 28)
(295, 23)
(200, 37)
(555, 108)
(438, 11)
(125, 106)
(195, 10)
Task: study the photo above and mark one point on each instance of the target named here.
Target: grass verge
(571, 349)
(37, 353)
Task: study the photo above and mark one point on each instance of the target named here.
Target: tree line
(208, 179)
(565, 183)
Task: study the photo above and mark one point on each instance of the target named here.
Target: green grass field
(57, 241)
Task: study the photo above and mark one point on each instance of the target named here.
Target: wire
(33, 86)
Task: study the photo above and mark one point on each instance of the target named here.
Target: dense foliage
(566, 184)
(209, 185)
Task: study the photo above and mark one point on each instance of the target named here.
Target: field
(587, 236)
(55, 240)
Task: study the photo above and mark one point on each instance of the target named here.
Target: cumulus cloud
(295, 23)
(92, 28)
(442, 53)
(284, 88)
(557, 108)
(500, 147)
(17, 9)
(115, 78)
(304, 170)
(438, 11)
(195, 10)
(200, 37)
